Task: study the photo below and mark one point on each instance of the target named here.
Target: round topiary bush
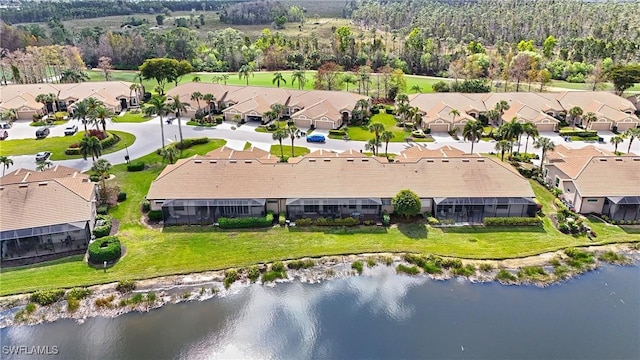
(105, 249)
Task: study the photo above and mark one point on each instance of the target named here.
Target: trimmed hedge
(512, 221)
(137, 166)
(102, 230)
(187, 143)
(47, 297)
(102, 210)
(348, 221)
(155, 215)
(245, 222)
(105, 249)
(337, 132)
(580, 133)
(106, 143)
(122, 196)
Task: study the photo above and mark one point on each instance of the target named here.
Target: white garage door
(302, 123)
(546, 127)
(600, 126)
(623, 126)
(324, 125)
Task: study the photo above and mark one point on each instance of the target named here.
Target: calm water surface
(379, 315)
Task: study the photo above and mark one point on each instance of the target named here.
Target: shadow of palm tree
(414, 231)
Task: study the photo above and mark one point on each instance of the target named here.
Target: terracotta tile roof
(416, 152)
(27, 176)
(333, 177)
(23, 205)
(249, 154)
(526, 113)
(609, 176)
(572, 161)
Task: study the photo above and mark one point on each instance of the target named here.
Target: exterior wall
(552, 173)
(156, 204)
(623, 126)
(427, 205)
(302, 123)
(546, 127)
(586, 205)
(438, 127)
(26, 114)
(569, 192)
(276, 205)
(324, 124)
(600, 125)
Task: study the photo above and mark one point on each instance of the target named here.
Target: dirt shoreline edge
(205, 285)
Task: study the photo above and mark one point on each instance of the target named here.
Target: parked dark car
(42, 133)
(43, 155)
(316, 138)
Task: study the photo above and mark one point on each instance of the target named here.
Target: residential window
(557, 181)
(546, 172)
(312, 208)
(568, 190)
(592, 200)
(503, 207)
(369, 207)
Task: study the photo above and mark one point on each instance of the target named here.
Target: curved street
(148, 140)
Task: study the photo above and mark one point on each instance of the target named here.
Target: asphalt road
(148, 139)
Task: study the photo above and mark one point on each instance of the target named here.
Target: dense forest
(513, 42)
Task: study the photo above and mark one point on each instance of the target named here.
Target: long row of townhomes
(332, 109)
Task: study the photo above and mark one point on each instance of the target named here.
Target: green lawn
(582, 86)
(58, 144)
(154, 252)
(297, 150)
(362, 133)
(128, 117)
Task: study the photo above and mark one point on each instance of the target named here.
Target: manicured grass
(297, 150)
(129, 117)
(58, 144)
(582, 86)
(362, 133)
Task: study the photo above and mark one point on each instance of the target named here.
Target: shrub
(219, 120)
(486, 267)
(102, 210)
(512, 221)
(104, 229)
(253, 273)
(418, 134)
(505, 276)
(155, 215)
(304, 222)
(386, 219)
(411, 270)
(371, 262)
(230, 276)
(30, 308)
(146, 206)
(246, 222)
(613, 258)
(72, 304)
(300, 264)
(531, 272)
(151, 297)
(136, 166)
(579, 133)
(433, 221)
(187, 143)
(125, 286)
(282, 219)
(357, 266)
(109, 141)
(273, 275)
(72, 151)
(78, 293)
(338, 132)
(562, 272)
(47, 297)
(451, 263)
(122, 196)
(94, 178)
(466, 270)
(105, 302)
(105, 249)
(277, 266)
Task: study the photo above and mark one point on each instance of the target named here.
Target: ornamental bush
(512, 221)
(337, 132)
(122, 196)
(78, 293)
(579, 133)
(137, 166)
(104, 229)
(125, 286)
(245, 222)
(47, 297)
(107, 249)
(304, 222)
(155, 215)
(406, 203)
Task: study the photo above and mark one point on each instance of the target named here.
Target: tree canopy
(406, 203)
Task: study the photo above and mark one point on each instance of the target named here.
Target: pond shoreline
(106, 301)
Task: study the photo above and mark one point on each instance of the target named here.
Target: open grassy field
(58, 144)
(131, 118)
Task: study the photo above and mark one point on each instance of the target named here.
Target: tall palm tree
(210, 99)
(363, 82)
(516, 130)
(102, 167)
(545, 144)
(278, 78)
(293, 132)
(179, 107)
(90, 146)
(454, 113)
(372, 145)
(403, 109)
(280, 135)
(299, 77)
(632, 134)
(588, 118)
(502, 146)
(615, 141)
(493, 115)
(575, 112)
(93, 104)
(244, 72)
(349, 79)
(102, 114)
(197, 96)
(158, 105)
(6, 163)
(501, 107)
(386, 136)
(472, 131)
(376, 128)
(81, 112)
(135, 87)
(531, 130)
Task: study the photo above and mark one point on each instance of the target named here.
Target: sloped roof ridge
(62, 181)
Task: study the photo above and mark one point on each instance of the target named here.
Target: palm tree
(493, 115)
(472, 131)
(169, 153)
(454, 113)
(279, 109)
(280, 135)
(135, 87)
(531, 130)
(196, 79)
(102, 167)
(402, 98)
(93, 104)
(386, 136)
(44, 99)
(516, 130)
(73, 76)
(209, 99)
(403, 109)
(632, 134)
(545, 144)
(81, 112)
(501, 107)
(225, 77)
(90, 146)
(376, 128)
(216, 79)
(178, 107)
(372, 145)
(363, 82)
(197, 96)
(575, 112)
(293, 132)
(244, 72)
(588, 118)
(102, 114)
(298, 76)
(349, 79)
(416, 117)
(416, 89)
(6, 163)
(502, 146)
(41, 165)
(615, 141)
(158, 105)
(278, 78)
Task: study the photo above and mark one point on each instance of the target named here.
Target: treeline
(41, 11)
(253, 13)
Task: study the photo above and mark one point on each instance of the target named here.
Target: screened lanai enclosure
(26, 246)
(622, 207)
(207, 211)
(359, 208)
(473, 210)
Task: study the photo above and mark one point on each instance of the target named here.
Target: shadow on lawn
(414, 231)
(194, 229)
(492, 229)
(341, 230)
